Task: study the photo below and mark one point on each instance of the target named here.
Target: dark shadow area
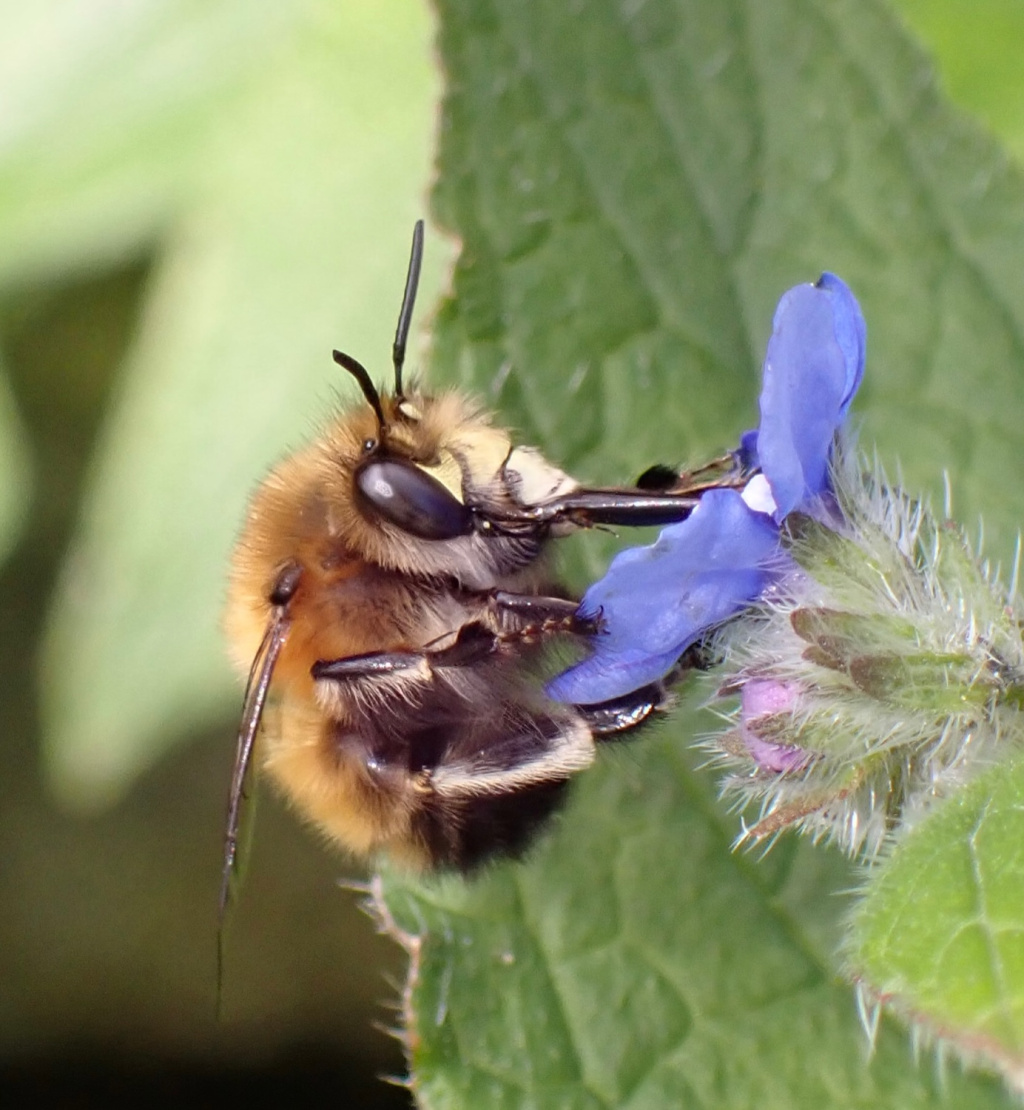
(303, 1078)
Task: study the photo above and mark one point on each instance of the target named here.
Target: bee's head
(426, 475)
(419, 483)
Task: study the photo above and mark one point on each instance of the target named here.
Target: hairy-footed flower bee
(388, 600)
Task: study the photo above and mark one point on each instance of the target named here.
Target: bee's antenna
(412, 281)
(359, 372)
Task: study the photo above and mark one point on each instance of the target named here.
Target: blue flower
(656, 601)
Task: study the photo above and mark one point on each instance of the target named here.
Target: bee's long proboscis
(633, 506)
(603, 506)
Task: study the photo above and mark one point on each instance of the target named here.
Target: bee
(389, 599)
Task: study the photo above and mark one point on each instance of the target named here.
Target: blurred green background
(197, 201)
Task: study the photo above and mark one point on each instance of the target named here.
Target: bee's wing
(239, 801)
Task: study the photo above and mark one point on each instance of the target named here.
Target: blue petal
(851, 333)
(813, 366)
(655, 601)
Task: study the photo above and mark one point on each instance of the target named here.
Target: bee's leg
(731, 470)
(527, 615)
(377, 664)
(505, 617)
(609, 719)
(473, 643)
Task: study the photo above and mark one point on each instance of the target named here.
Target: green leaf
(940, 931)
(634, 186)
(271, 159)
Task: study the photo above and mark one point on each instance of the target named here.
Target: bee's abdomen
(466, 833)
(483, 772)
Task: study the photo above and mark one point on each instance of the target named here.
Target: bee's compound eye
(403, 494)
